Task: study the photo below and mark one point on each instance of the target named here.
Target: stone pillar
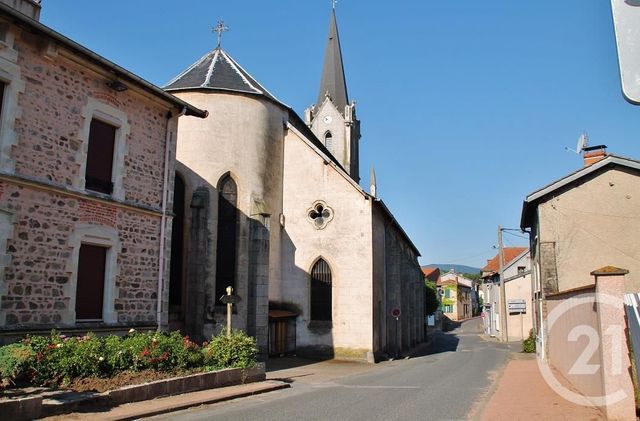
(258, 289)
(196, 306)
(614, 350)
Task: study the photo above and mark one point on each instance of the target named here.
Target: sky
(466, 106)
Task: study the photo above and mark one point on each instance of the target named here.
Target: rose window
(320, 215)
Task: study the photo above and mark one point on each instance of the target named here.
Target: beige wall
(519, 325)
(595, 224)
(243, 136)
(564, 354)
(345, 243)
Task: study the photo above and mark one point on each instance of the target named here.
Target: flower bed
(58, 360)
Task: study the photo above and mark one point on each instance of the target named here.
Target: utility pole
(503, 294)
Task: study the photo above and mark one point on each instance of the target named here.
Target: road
(445, 383)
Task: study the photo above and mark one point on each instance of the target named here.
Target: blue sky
(466, 106)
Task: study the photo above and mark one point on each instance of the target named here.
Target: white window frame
(117, 118)
(98, 236)
(10, 76)
(7, 221)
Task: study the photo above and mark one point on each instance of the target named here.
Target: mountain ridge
(445, 267)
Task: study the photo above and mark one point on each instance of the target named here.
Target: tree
(431, 297)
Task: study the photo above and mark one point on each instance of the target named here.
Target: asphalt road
(445, 383)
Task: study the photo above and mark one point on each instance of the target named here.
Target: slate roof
(509, 253)
(120, 73)
(333, 80)
(218, 71)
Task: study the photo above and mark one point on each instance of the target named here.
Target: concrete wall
(345, 243)
(592, 225)
(51, 95)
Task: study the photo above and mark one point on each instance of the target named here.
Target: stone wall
(38, 278)
(51, 96)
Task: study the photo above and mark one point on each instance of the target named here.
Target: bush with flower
(58, 359)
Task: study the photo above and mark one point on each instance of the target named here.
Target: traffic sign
(396, 312)
(626, 20)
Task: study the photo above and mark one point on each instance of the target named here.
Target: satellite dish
(583, 142)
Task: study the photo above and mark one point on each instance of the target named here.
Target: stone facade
(283, 173)
(52, 92)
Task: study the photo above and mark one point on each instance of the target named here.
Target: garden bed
(49, 402)
(101, 363)
(109, 371)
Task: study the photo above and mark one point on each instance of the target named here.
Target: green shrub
(58, 359)
(15, 361)
(65, 358)
(236, 351)
(529, 344)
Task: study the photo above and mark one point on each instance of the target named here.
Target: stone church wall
(345, 243)
(242, 137)
(51, 95)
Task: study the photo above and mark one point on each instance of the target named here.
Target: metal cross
(219, 29)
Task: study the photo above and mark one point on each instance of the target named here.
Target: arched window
(177, 236)
(321, 291)
(227, 232)
(328, 141)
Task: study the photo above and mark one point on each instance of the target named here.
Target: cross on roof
(219, 29)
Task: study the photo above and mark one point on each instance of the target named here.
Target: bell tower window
(328, 141)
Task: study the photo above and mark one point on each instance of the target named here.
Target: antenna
(583, 142)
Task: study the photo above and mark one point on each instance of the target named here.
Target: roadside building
(456, 292)
(517, 278)
(584, 245)
(516, 262)
(86, 161)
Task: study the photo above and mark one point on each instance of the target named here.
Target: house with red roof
(517, 279)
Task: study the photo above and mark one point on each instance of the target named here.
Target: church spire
(333, 82)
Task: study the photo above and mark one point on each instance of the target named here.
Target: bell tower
(333, 119)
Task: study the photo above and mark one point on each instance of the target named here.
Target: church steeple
(333, 119)
(333, 82)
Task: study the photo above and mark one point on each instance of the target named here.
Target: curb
(265, 387)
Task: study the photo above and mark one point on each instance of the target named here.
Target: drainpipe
(165, 183)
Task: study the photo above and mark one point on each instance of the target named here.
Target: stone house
(270, 205)
(584, 246)
(87, 153)
(456, 293)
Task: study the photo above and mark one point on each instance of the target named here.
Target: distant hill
(444, 267)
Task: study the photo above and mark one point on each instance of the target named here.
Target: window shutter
(90, 285)
(99, 165)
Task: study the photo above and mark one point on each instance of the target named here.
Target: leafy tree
(431, 301)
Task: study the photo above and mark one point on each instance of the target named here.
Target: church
(269, 203)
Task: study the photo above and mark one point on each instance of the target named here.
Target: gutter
(118, 71)
(163, 224)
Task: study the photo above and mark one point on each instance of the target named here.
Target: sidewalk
(522, 394)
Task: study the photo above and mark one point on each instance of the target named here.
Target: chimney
(593, 154)
(30, 8)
